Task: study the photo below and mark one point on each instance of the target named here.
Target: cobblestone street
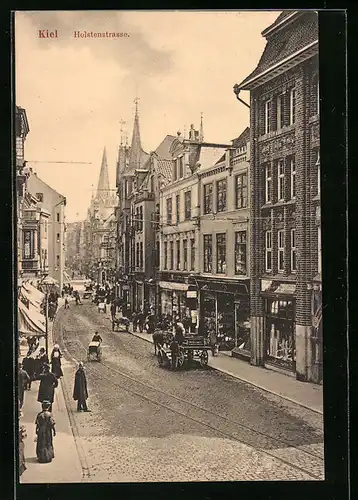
(151, 424)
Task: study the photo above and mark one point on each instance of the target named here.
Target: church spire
(103, 188)
(136, 146)
(201, 133)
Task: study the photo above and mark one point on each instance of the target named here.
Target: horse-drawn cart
(193, 348)
(120, 324)
(94, 351)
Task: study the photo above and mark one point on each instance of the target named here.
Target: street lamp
(48, 285)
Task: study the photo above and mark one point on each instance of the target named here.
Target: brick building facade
(285, 267)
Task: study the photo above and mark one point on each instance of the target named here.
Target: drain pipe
(236, 89)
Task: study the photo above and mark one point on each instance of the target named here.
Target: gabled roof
(35, 176)
(243, 138)
(286, 42)
(210, 157)
(163, 150)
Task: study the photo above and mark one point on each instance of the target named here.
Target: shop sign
(191, 294)
(265, 285)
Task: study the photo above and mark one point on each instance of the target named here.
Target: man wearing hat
(80, 393)
(48, 383)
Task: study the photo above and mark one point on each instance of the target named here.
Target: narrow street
(151, 424)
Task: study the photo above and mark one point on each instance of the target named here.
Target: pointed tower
(136, 146)
(103, 189)
(201, 133)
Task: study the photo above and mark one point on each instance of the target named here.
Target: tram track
(295, 457)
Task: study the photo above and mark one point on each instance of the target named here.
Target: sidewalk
(302, 393)
(66, 466)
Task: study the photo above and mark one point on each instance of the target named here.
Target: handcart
(94, 351)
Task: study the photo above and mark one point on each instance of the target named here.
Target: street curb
(83, 465)
(228, 372)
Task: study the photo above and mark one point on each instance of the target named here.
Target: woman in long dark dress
(45, 430)
(56, 361)
(48, 383)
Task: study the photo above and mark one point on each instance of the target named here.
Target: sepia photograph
(168, 233)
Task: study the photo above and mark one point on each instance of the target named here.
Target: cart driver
(97, 337)
(179, 331)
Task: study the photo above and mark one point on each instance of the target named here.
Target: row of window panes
(179, 264)
(138, 219)
(178, 168)
(221, 194)
(285, 105)
(240, 253)
(279, 166)
(187, 208)
(280, 251)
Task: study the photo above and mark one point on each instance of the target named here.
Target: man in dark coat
(174, 349)
(28, 364)
(42, 360)
(80, 393)
(48, 383)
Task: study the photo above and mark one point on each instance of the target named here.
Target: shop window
(178, 254)
(225, 321)
(267, 117)
(169, 210)
(171, 255)
(221, 253)
(240, 253)
(177, 208)
(292, 115)
(208, 253)
(292, 177)
(192, 254)
(281, 180)
(221, 189)
(165, 255)
(208, 198)
(185, 255)
(280, 250)
(280, 347)
(187, 203)
(280, 111)
(268, 183)
(293, 250)
(241, 191)
(268, 250)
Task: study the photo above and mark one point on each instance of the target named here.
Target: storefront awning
(30, 321)
(168, 285)
(36, 295)
(272, 287)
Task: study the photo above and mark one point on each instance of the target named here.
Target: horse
(159, 339)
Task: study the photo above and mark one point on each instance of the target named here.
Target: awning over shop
(168, 285)
(270, 286)
(36, 295)
(30, 321)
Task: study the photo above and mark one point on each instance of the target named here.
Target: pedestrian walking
(42, 360)
(56, 356)
(48, 384)
(45, 430)
(113, 311)
(23, 380)
(140, 318)
(213, 342)
(28, 364)
(80, 393)
(134, 321)
(67, 304)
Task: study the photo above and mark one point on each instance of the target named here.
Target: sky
(77, 90)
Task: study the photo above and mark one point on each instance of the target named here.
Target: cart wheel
(181, 359)
(204, 358)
